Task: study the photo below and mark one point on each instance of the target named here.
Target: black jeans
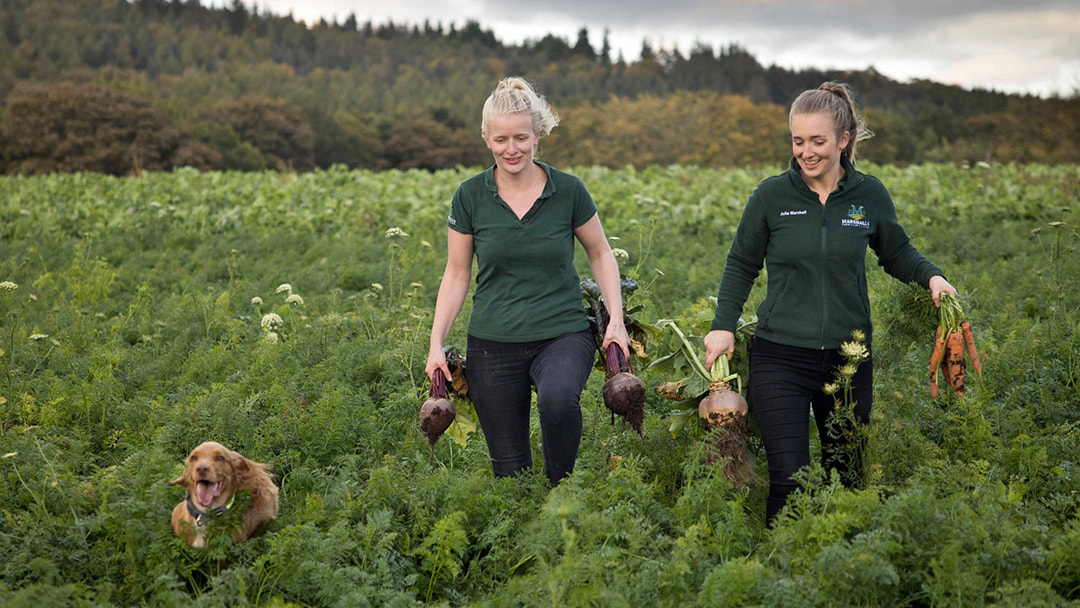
(501, 377)
(785, 383)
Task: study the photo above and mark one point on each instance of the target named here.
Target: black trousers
(785, 384)
(501, 378)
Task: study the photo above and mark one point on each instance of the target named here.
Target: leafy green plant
(973, 502)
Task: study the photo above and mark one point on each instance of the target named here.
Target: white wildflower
(36, 337)
(416, 285)
(271, 338)
(284, 288)
(848, 370)
(256, 301)
(377, 286)
(395, 232)
(854, 351)
(831, 388)
(294, 299)
(271, 321)
(331, 320)
(621, 255)
(8, 286)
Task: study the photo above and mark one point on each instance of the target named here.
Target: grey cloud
(866, 17)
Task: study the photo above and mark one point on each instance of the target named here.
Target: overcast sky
(1014, 46)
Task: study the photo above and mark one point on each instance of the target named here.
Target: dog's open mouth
(206, 492)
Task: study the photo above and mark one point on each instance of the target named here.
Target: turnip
(721, 407)
(437, 413)
(723, 414)
(624, 393)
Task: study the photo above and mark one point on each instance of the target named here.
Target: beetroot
(723, 413)
(437, 413)
(624, 393)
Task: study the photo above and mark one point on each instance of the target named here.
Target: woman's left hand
(938, 284)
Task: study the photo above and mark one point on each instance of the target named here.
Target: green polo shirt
(527, 287)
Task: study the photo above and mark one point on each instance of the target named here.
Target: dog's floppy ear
(240, 462)
(183, 479)
(242, 467)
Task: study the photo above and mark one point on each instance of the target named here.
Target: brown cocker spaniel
(212, 477)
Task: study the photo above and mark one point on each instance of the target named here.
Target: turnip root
(723, 414)
(720, 404)
(437, 413)
(624, 393)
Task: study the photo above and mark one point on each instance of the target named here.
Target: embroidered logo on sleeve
(451, 220)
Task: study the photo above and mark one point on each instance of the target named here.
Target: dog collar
(199, 515)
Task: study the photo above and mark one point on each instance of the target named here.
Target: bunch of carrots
(953, 345)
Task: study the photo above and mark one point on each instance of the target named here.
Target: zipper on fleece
(821, 276)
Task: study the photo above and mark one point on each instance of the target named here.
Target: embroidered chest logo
(856, 217)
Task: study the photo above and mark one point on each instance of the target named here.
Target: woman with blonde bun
(520, 219)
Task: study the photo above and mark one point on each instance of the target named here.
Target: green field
(130, 332)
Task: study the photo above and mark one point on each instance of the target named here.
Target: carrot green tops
(527, 287)
(816, 292)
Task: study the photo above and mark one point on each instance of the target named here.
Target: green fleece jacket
(814, 256)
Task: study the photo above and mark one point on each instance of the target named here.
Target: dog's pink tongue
(206, 492)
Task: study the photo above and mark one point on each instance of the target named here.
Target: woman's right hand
(436, 360)
(718, 342)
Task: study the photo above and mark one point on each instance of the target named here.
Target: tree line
(121, 86)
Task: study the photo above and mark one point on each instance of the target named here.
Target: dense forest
(121, 86)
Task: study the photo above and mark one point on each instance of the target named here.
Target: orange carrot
(969, 341)
(946, 371)
(955, 362)
(935, 361)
